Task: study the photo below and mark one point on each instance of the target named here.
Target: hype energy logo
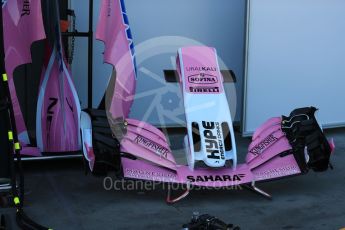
(213, 140)
(262, 146)
(128, 35)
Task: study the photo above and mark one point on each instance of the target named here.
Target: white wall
(171, 23)
(296, 58)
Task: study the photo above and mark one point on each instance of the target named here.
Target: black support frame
(89, 36)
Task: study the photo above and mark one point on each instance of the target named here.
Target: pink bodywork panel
(224, 177)
(22, 26)
(146, 142)
(264, 134)
(209, 77)
(57, 125)
(266, 164)
(269, 123)
(143, 125)
(274, 144)
(111, 29)
(30, 151)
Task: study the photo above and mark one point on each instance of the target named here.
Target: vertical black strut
(90, 56)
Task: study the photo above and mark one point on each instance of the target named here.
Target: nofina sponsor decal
(202, 78)
(206, 77)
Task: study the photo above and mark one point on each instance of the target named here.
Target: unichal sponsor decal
(201, 68)
(160, 150)
(213, 140)
(262, 146)
(216, 178)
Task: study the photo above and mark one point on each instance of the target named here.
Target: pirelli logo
(204, 89)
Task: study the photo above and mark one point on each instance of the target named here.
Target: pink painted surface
(223, 177)
(21, 28)
(265, 164)
(208, 77)
(164, 160)
(135, 131)
(159, 148)
(264, 134)
(58, 108)
(113, 30)
(280, 145)
(143, 125)
(30, 151)
(270, 122)
(277, 167)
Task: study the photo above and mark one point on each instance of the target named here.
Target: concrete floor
(59, 195)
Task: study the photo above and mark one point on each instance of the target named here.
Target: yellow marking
(10, 135)
(17, 146)
(4, 77)
(16, 200)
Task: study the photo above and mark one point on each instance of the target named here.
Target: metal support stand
(171, 200)
(89, 36)
(257, 190)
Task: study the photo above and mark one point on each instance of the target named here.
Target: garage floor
(61, 196)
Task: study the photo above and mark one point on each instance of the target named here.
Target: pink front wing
(224, 177)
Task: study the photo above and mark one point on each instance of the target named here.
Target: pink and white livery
(281, 147)
(203, 92)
